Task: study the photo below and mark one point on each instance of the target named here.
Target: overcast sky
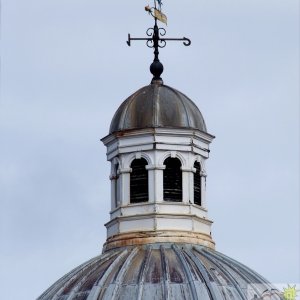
(65, 69)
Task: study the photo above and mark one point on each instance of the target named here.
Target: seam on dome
(58, 286)
(202, 118)
(203, 271)
(248, 270)
(227, 273)
(124, 114)
(195, 106)
(156, 97)
(186, 267)
(179, 96)
(234, 265)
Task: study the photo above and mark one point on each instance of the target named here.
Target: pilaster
(203, 188)
(125, 186)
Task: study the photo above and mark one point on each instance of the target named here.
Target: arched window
(197, 184)
(116, 187)
(172, 180)
(138, 181)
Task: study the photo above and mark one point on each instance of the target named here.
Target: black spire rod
(157, 40)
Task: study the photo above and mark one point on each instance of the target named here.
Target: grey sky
(65, 68)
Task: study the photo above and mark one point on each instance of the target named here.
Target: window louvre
(172, 180)
(139, 181)
(197, 184)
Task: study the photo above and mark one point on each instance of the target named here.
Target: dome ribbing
(161, 271)
(157, 105)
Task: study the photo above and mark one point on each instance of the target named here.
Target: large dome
(157, 105)
(161, 271)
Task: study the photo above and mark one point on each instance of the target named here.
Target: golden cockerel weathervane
(156, 11)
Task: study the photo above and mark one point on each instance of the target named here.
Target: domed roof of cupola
(157, 105)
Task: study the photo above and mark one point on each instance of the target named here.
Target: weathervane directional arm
(186, 41)
(136, 39)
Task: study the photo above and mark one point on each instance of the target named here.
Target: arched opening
(197, 184)
(139, 181)
(116, 187)
(172, 180)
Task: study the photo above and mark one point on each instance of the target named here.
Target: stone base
(150, 237)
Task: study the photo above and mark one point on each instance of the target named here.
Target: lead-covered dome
(159, 272)
(157, 105)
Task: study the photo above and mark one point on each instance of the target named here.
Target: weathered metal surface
(160, 271)
(157, 105)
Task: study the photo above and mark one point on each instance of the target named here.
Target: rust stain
(141, 238)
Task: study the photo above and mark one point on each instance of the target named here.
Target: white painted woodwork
(156, 145)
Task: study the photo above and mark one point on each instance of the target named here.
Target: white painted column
(155, 179)
(203, 188)
(159, 183)
(115, 189)
(191, 185)
(151, 182)
(124, 186)
(113, 196)
(186, 184)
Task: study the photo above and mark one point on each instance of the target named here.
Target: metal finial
(157, 40)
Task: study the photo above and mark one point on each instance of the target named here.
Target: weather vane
(156, 38)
